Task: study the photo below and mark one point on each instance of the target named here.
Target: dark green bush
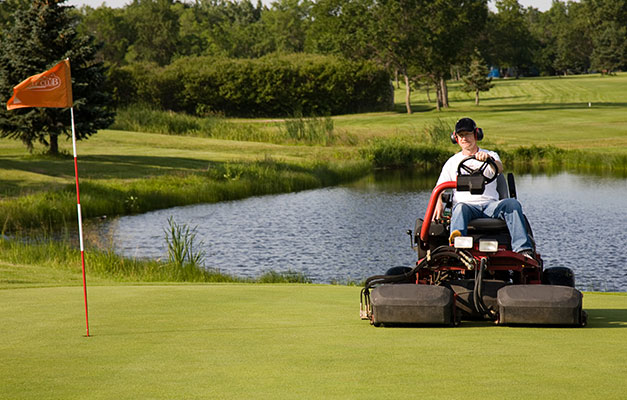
(270, 86)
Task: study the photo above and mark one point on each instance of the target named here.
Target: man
(468, 206)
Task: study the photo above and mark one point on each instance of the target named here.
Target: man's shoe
(528, 253)
(454, 234)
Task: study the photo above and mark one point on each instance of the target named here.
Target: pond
(347, 233)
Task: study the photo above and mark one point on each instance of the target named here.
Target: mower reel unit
(478, 277)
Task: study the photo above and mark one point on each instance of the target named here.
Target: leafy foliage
(270, 86)
(610, 48)
(41, 36)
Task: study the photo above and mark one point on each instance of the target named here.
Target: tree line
(425, 41)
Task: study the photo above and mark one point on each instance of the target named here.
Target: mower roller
(478, 277)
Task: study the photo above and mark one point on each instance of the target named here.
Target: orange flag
(52, 88)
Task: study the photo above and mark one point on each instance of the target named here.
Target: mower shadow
(106, 166)
(607, 318)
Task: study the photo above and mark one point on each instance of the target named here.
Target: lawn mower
(476, 277)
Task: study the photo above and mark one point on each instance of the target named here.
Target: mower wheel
(560, 276)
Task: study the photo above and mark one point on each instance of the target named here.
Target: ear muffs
(478, 135)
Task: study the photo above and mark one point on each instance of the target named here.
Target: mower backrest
(501, 187)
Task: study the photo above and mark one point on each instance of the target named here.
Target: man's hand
(483, 156)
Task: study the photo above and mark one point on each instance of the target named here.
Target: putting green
(288, 341)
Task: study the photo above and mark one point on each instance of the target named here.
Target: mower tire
(559, 276)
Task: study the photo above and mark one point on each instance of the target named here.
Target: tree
(8, 8)
(453, 26)
(609, 48)
(231, 29)
(477, 78)
(40, 37)
(286, 24)
(510, 41)
(341, 27)
(108, 27)
(156, 28)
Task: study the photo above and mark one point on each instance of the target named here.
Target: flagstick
(80, 221)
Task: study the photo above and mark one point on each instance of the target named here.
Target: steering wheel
(480, 170)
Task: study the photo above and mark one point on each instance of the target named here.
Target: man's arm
(439, 209)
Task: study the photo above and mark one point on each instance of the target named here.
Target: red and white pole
(80, 222)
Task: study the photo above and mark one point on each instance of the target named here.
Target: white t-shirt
(449, 173)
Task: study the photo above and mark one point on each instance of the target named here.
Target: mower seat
(490, 228)
(493, 228)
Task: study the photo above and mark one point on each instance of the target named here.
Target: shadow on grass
(415, 108)
(607, 318)
(105, 166)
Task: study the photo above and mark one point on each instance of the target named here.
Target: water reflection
(350, 232)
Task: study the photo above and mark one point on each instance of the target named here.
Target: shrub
(269, 86)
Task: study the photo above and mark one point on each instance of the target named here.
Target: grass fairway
(288, 341)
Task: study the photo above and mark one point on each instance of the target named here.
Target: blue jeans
(509, 210)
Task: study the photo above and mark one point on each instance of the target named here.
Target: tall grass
(181, 241)
(554, 158)
(63, 255)
(439, 131)
(312, 130)
(146, 119)
(403, 153)
(221, 181)
(299, 129)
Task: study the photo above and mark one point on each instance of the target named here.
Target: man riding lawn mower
(476, 255)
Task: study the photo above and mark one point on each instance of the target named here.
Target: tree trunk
(477, 97)
(407, 95)
(428, 94)
(438, 96)
(444, 90)
(54, 145)
(398, 84)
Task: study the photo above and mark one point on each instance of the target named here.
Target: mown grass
(288, 341)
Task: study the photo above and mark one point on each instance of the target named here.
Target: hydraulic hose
(477, 294)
